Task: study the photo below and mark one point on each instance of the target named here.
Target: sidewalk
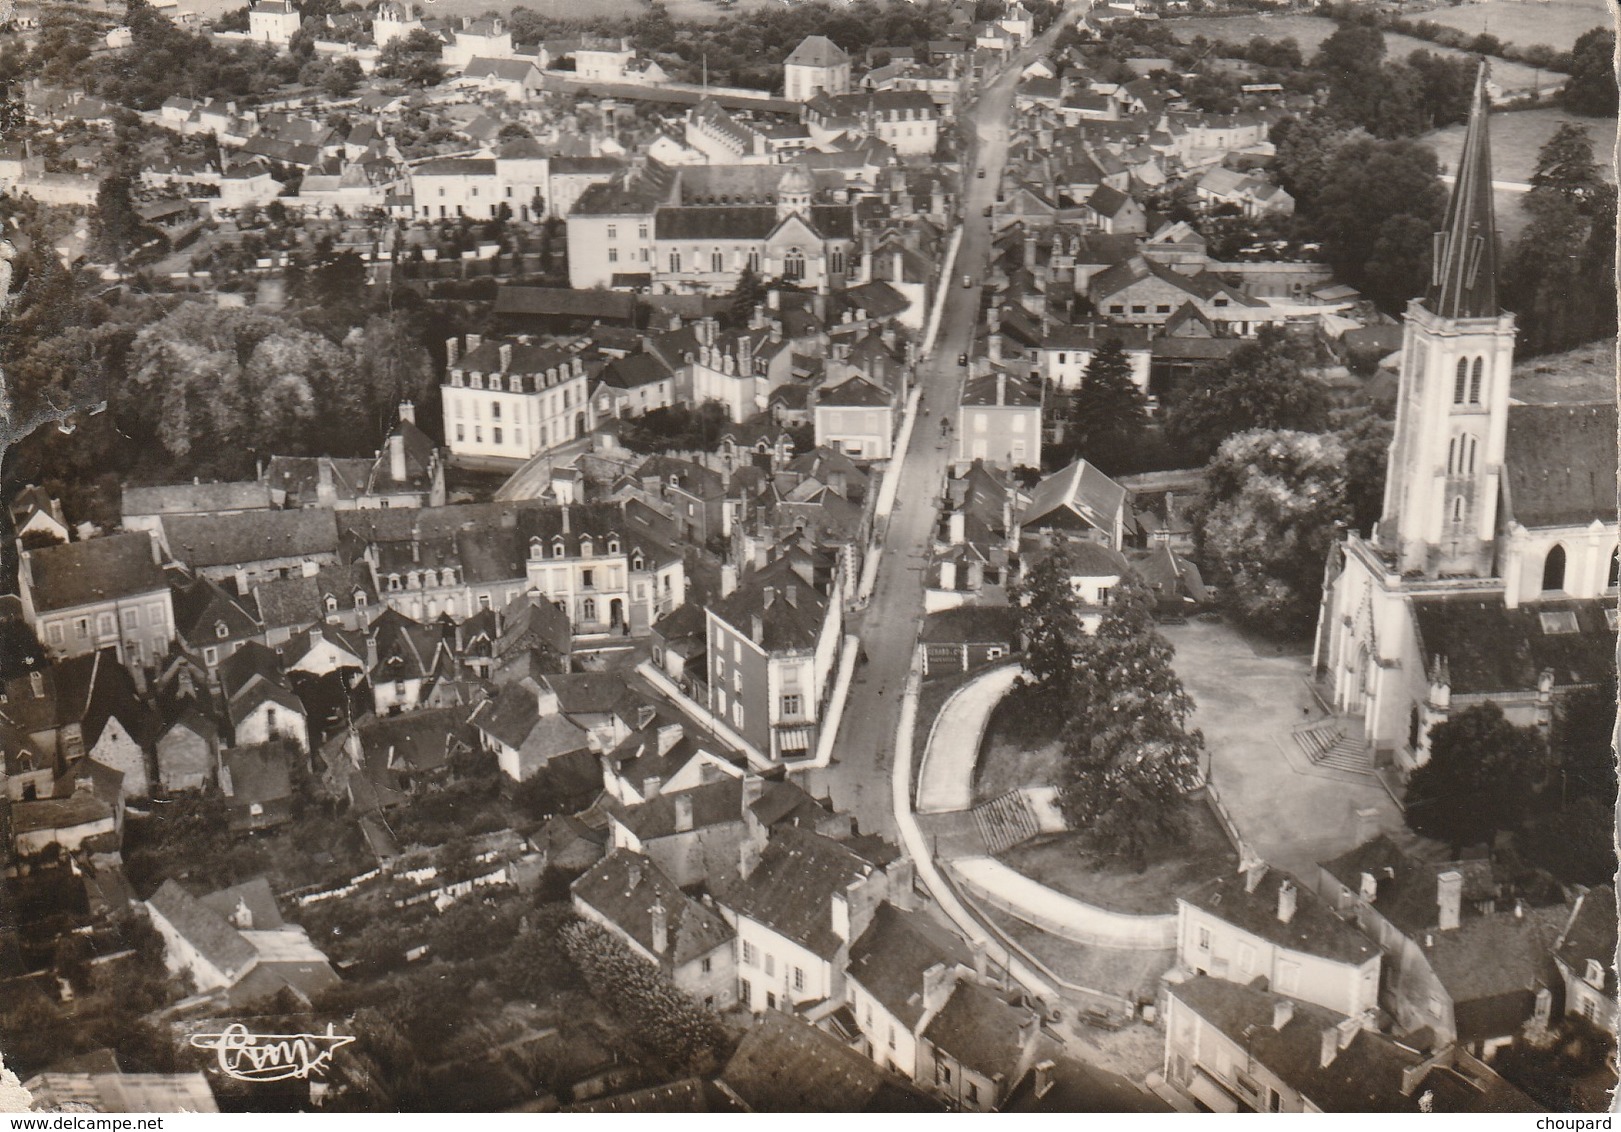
(945, 781)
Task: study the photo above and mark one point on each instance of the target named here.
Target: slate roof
(1077, 1086)
(691, 1094)
(981, 1031)
(1079, 488)
(714, 222)
(1561, 463)
(1366, 1076)
(816, 51)
(203, 928)
(258, 775)
(456, 167)
(625, 886)
(255, 894)
(1314, 929)
(102, 569)
(1492, 965)
(234, 540)
(1491, 648)
(201, 606)
(791, 890)
(784, 1064)
(713, 804)
(791, 615)
(301, 600)
(634, 371)
(511, 70)
(972, 624)
(1591, 934)
(1001, 390)
(891, 956)
(194, 498)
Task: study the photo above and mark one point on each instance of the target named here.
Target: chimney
(1283, 1010)
(683, 813)
(756, 629)
(762, 555)
(790, 594)
(633, 876)
(650, 787)
(408, 413)
(474, 341)
(768, 597)
(948, 575)
(661, 927)
(773, 299)
(396, 457)
(938, 982)
(955, 524)
(565, 510)
(1328, 1048)
(993, 344)
(1001, 385)
(1253, 872)
(1286, 901)
(1370, 888)
(1449, 899)
(668, 736)
(1029, 253)
(240, 577)
(728, 580)
(506, 356)
(325, 493)
(1044, 1078)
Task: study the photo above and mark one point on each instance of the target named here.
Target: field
(697, 11)
(1524, 23)
(1310, 31)
(1516, 138)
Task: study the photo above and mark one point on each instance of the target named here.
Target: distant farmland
(1524, 23)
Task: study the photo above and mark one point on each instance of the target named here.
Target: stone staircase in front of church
(1338, 744)
(1005, 821)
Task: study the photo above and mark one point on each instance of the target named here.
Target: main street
(859, 777)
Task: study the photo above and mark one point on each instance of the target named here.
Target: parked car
(980, 174)
(962, 359)
(986, 211)
(967, 280)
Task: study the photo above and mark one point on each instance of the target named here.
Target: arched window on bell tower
(1457, 509)
(1614, 579)
(1461, 382)
(1553, 570)
(1475, 376)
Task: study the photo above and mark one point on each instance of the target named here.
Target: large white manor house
(1492, 574)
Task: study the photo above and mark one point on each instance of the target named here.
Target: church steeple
(1463, 276)
(1443, 481)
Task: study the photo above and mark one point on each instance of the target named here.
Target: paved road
(859, 777)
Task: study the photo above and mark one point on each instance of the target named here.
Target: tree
(342, 76)
(1591, 88)
(1047, 611)
(677, 1028)
(750, 290)
(1560, 276)
(1305, 151)
(1260, 386)
(1129, 755)
(1582, 744)
(1367, 442)
(1272, 501)
(413, 60)
(119, 228)
(1479, 778)
(1109, 414)
(1377, 212)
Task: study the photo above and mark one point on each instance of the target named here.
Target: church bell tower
(1444, 476)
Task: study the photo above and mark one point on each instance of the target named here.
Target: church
(1492, 573)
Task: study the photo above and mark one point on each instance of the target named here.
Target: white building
(817, 65)
(273, 21)
(510, 400)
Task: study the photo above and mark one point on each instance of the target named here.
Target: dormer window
(585, 548)
(221, 630)
(36, 684)
(1595, 973)
(636, 562)
(331, 604)
(557, 548)
(613, 546)
(394, 581)
(536, 550)
(360, 599)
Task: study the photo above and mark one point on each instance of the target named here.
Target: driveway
(1249, 700)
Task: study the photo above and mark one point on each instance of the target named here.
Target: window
(1103, 595)
(1139, 308)
(770, 966)
(588, 609)
(790, 706)
(461, 433)
(749, 957)
(743, 994)
(1614, 578)
(1117, 308)
(737, 715)
(1559, 622)
(754, 262)
(331, 604)
(588, 579)
(1553, 570)
(675, 263)
(799, 978)
(1475, 375)
(793, 264)
(495, 434)
(891, 1035)
(1457, 509)
(717, 261)
(1204, 939)
(770, 1000)
(53, 633)
(973, 1092)
(706, 964)
(131, 618)
(613, 232)
(105, 625)
(613, 255)
(942, 1073)
(641, 231)
(211, 656)
(1460, 381)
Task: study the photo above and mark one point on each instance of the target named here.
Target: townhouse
(108, 592)
(509, 400)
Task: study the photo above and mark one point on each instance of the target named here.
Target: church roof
(1494, 650)
(1464, 283)
(1561, 464)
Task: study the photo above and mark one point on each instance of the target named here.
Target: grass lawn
(1009, 759)
(1310, 31)
(1063, 861)
(1558, 23)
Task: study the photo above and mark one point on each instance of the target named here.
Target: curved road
(859, 777)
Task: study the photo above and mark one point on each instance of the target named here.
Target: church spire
(1463, 273)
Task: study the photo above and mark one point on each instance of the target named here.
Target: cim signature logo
(248, 1056)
